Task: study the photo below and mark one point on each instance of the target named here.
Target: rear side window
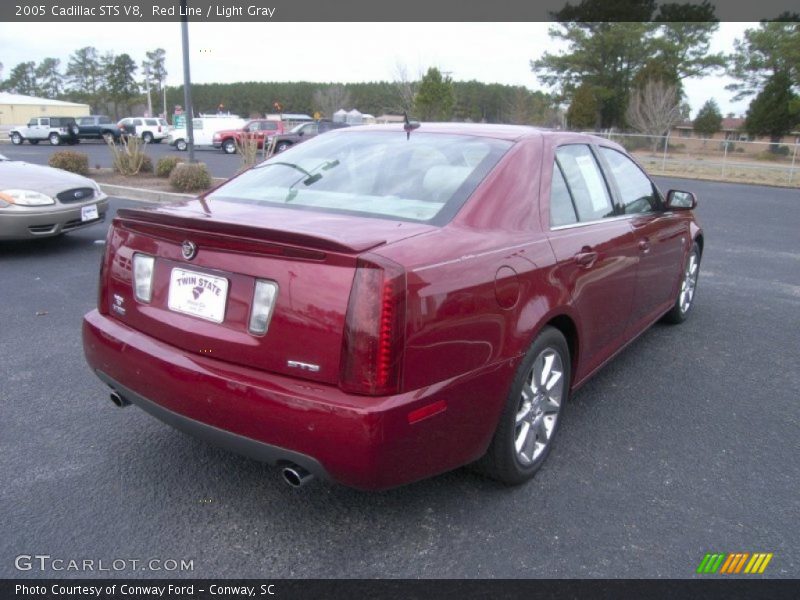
(55, 122)
(636, 191)
(162, 122)
(269, 126)
(87, 121)
(105, 120)
(151, 122)
(585, 182)
(562, 211)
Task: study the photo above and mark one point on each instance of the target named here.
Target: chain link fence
(718, 159)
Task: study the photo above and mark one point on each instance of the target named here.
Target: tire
(55, 139)
(17, 139)
(530, 416)
(158, 141)
(147, 137)
(34, 142)
(181, 145)
(229, 146)
(682, 308)
(108, 138)
(281, 146)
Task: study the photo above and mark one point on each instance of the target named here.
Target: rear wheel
(281, 146)
(108, 138)
(533, 410)
(55, 139)
(685, 300)
(181, 145)
(229, 146)
(147, 137)
(16, 139)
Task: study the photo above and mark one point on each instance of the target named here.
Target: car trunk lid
(311, 257)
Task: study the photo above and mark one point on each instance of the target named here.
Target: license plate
(198, 294)
(89, 213)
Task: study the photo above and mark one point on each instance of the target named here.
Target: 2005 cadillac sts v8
(385, 303)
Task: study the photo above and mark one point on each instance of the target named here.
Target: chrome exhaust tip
(118, 400)
(296, 476)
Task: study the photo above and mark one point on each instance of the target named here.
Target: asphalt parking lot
(687, 443)
(219, 163)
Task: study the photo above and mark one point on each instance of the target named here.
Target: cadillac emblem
(189, 250)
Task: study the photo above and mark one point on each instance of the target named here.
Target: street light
(187, 80)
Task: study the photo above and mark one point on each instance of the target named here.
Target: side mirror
(680, 200)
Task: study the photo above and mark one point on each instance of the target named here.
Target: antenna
(408, 125)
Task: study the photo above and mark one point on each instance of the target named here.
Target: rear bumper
(363, 442)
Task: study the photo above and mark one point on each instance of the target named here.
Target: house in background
(16, 109)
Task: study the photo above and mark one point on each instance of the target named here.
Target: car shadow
(47, 246)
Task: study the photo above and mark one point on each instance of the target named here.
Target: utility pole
(187, 80)
(164, 91)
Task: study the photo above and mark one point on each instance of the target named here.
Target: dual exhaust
(294, 475)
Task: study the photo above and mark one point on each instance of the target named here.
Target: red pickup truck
(261, 129)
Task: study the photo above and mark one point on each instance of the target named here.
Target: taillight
(263, 304)
(102, 284)
(374, 333)
(143, 277)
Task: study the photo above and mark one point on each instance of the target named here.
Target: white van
(205, 126)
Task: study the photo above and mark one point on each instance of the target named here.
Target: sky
(336, 52)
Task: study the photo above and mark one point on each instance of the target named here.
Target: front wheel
(685, 300)
(229, 146)
(181, 145)
(55, 139)
(533, 410)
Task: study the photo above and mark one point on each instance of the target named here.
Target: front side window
(585, 181)
(637, 193)
(33, 123)
(44, 122)
(424, 178)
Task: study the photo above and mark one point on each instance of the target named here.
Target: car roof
(502, 132)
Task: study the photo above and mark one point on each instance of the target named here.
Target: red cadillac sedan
(381, 304)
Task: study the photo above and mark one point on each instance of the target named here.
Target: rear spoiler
(176, 228)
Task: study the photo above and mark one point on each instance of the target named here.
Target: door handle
(586, 257)
(644, 245)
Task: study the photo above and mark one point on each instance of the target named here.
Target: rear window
(425, 178)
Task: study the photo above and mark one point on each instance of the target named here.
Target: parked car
(204, 128)
(303, 132)
(148, 129)
(98, 127)
(379, 305)
(38, 201)
(260, 129)
(56, 130)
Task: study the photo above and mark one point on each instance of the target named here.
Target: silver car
(38, 201)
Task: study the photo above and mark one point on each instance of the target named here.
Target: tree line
(623, 68)
(625, 64)
(107, 82)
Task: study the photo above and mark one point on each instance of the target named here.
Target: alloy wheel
(539, 406)
(689, 283)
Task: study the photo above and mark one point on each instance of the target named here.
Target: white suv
(150, 129)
